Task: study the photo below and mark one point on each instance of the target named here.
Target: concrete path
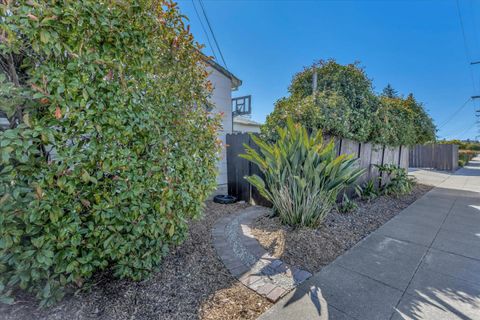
(429, 177)
(422, 264)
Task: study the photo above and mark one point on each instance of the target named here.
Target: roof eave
(236, 82)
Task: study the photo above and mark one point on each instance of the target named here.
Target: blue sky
(416, 45)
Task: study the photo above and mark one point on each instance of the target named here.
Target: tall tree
(345, 105)
(389, 92)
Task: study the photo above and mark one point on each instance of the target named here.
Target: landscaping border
(248, 261)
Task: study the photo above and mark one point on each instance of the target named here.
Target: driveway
(422, 264)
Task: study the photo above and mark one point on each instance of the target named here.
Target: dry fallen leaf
(85, 202)
(32, 17)
(58, 113)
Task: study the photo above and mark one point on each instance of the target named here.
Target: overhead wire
(213, 34)
(204, 30)
(476, 40)
(459, 135)
(465, 45)
(467, 53)
(454, 114)
(475, 29)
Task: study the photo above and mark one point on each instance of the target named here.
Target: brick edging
(248, 261)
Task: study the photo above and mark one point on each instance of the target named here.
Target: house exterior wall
(241, 127)
(221, 98)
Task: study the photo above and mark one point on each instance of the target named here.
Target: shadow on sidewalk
(436, 290)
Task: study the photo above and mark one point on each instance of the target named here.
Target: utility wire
(213, 34)
(454, 133)
(464, 131)
(465, 44)
(454, 114)
(475, 38)
(204, 30)
(475, 29)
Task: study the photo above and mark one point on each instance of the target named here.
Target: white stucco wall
(241, 127)
(221, 98)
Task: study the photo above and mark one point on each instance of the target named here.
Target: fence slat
(368, 155)
(434, 156)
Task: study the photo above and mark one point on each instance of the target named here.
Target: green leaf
(44, 36)
(6, 299)
(86, 176)
(6, 154)
(38, 242)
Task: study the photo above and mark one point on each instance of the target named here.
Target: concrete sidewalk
(422, 264)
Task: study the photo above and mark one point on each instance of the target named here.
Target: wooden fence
(434, 156)
(368, 155)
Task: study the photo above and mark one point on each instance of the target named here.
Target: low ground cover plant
(466, 155)
(108, 153)
(367, 191)
(394, 180)
(303, 175)
(347, 205)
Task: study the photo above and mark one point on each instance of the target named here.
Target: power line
(454, 133)
(465, 44)
(454, 114)
(475, 30)
(213, 34)
(466, 130)
(204, 30)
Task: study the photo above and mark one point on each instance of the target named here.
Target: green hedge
(109, 153)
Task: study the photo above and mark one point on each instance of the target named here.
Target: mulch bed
(192, 284)
(311, 249)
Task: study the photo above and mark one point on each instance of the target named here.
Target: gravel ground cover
(311, 249)
(191, 284)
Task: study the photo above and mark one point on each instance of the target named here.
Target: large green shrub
(303, 176)
(109, 152)
(345, 105)
(341, 106)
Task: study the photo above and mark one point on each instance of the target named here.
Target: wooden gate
(238, 168)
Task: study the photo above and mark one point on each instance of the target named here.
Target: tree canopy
(346, 105)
